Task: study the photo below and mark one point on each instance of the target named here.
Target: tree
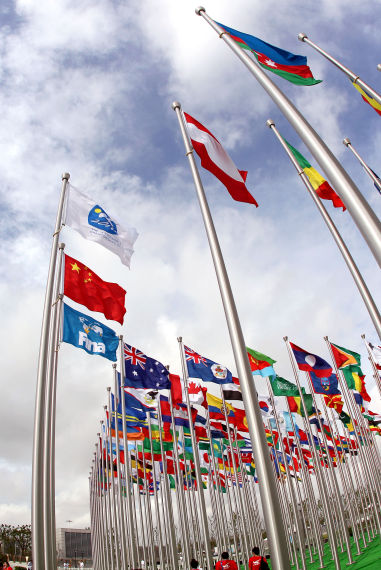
(13, 537)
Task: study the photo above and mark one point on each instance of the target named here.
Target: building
(74, 543)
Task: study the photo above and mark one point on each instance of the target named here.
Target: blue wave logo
(98, 218)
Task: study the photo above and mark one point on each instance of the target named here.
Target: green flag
(282, 387)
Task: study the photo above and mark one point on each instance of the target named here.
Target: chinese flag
(83, 286)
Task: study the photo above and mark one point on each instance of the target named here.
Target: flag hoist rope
(354, 270)
(267, 484)
(362, 214)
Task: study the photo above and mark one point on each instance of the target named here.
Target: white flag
(92, 222)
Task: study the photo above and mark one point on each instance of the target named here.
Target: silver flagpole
(377, 373)
(237, 494)
(362, 214)
(50, 422)
(200, 490)
(368, 170)
(157, 513)
(352, 76)
(354, 270)
(270, 501)
(133, 558)
(106, 525)
(319, 478)
(110, 487)
(379, 67)
(230, 508)
(147, 500)
(142, 521)
(39, 453)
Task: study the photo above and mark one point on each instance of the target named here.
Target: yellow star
(75, 267)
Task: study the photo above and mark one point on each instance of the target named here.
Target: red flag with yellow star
(83, 286)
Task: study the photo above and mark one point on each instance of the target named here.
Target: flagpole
(368, 170)
(102, 507)
(158, 522)
(109, 486)
(354, 270)
(230, 508)
(39, 451)
(149, 510)
(362, 214)
(377, 373)
(270, 500)
(319, 477)
(352, 76)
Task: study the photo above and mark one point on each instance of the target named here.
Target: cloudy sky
(86, 87)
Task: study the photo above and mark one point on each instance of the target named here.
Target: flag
(288, 424)
(375, 351)
(296, 405)
(143, 371)
(282, 387)
(350, 363)
(232, 391)
(292, 67)
(85, 332)
(377, 187)
(146, 399)
(266, 406)
(319, 184)
(216, 407)
(84, 286)
(260, 363)
(197, 392)
(311, 362)
(215, 159)
(334, 401)
(93, 223)
(209, 371)
(326, 385)
(368, 99)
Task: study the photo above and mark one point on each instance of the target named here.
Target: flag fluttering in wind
(143, 371)
(232, 391)
(84, 286)
(375, 351)
(207, 370)
(334, 401)
(283, 387)
(319, 184)
(350, 363)
(311, 362)
(260, 363)
(288, 65)
(325, 384)
(90, 220)
(368, 99)
(85, 332)
(215, 159)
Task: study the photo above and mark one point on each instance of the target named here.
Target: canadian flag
(196, 390)
(215, 159)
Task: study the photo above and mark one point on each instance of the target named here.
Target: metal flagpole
(270, 501)
(50, 421)
(101, 508)
(354, 270)
(362, 214)
(319, 477)
(133, 558)
(39, 452)
(230, 508)
(106, 522)
(377, 373)
(147, 500)
(157, 513)
(200, 490)
(237, 494)
(142, 521)
(352, 76)
(167, 494)
(109, 486)
(368, 170)
(120, 518)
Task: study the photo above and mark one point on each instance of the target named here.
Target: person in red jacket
(225, 563)
(257, 561)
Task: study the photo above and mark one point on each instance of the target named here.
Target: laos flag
(311, 362)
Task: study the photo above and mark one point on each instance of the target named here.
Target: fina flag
(92, 222)
(85, 332)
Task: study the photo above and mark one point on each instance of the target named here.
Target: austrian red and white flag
(215, 159)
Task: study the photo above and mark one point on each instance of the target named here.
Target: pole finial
(108, 388)
(302, 36)
(346, 142)
(179, 338)
(199, 10)
(270, 123)
(176, 105)
(285, 338)
(65, 176)
(379, 67)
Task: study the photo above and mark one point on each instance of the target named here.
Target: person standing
(257, 562)
(194, 564)
(226, 563)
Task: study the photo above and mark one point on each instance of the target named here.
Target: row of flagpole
(337, 521)
(274, 507)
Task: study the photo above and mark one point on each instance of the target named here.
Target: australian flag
(143, 371)
(207, 370)
(325, 385)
